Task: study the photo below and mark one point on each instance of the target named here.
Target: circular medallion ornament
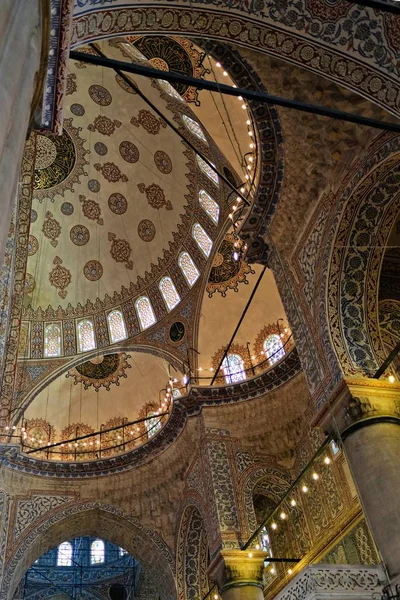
(177, 331)
(77, 110)
(159, 63)
(218, 260)
(163, 162)
(100, 148)
(94, 185)
(29, 283)
(54, 161)
(146, 230)
(93, 270)
(129, 152)
(122, 83)
(226, 272)
(102, 371)
(100, 95)
(33, 245)
(67, 208)
(79, 235)
(117, 203)
(33, 216)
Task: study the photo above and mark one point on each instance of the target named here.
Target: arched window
(116, 325)
(52, 340)
(188, 268)
(209, 205)
(209, 171)
(202, 239)
(169, 292)
(145, 312)
(233, 368)
(152, 425)
(122, 552)
(64, 555)
(194, 127)
(97, 552)
(169, 89)
(86, 335)
(273, 348)
(266, 544)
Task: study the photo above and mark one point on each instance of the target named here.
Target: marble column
(20, 48)
(367, 415)
(239, 574)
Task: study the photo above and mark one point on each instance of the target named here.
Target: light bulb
(250, 555)
(225, 74)
(257, 546)
(304, 489)
(391, 379)
(282, 515)
(315, 476)
(242, 189)
(218, 64)
(274, 526)
(240, 97)
(290, 571)
(272, 570)
(251, 145)
(244, 106)
(293, 502)
(327, 460)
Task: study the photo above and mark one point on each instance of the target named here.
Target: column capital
(234, 568)
(357, 402)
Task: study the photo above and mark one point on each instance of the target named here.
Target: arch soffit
(192, 522)
(317, 38)
(367, 203)
(99, 520)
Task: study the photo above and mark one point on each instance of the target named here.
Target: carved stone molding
(356, 400)
(334, 581)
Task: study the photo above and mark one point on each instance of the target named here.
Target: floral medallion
(39, 432)
(111, 172)
(93, 270)
(91, 209)
(33, 215)
(176, 54)
(51, 228)
(146, 230)
(30, 283)
(67, 208)
(129, 152)
(100, 148)
(59, 162)
(118, 203)
(33, 245)
(100, 95)
(226, 272)
(125, 86)
(78, 110)
(101, 371)
(71, 84)
(148, 121)
(104, 125)
(60, 277)
(163, 162)
(120, 250)
(79, 235)
(94, 185)
(155, 196)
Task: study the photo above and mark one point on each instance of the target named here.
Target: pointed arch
(202, 239)
(188, 268)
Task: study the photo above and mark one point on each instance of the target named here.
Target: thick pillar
(367, 415)
(20, 47)
(239, 574)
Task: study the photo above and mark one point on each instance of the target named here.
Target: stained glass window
(233, 368)
(334, 447)
(169, 89)
(209, 205)
(145, 312)
(52, 340)
(209, 171)
(194, 127)
(188, 268)
(266, 544)
(97, 552)
(64, 555)
(169, 292)
(152, 425)
(86, 335)
(204, 242)
(116, 326)
(273, 348)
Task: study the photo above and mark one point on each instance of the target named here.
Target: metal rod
(289, 491)
(88, 435)
(164, 118)
(222, 88)
(377, 5)
(386, 363)
(239, 324)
